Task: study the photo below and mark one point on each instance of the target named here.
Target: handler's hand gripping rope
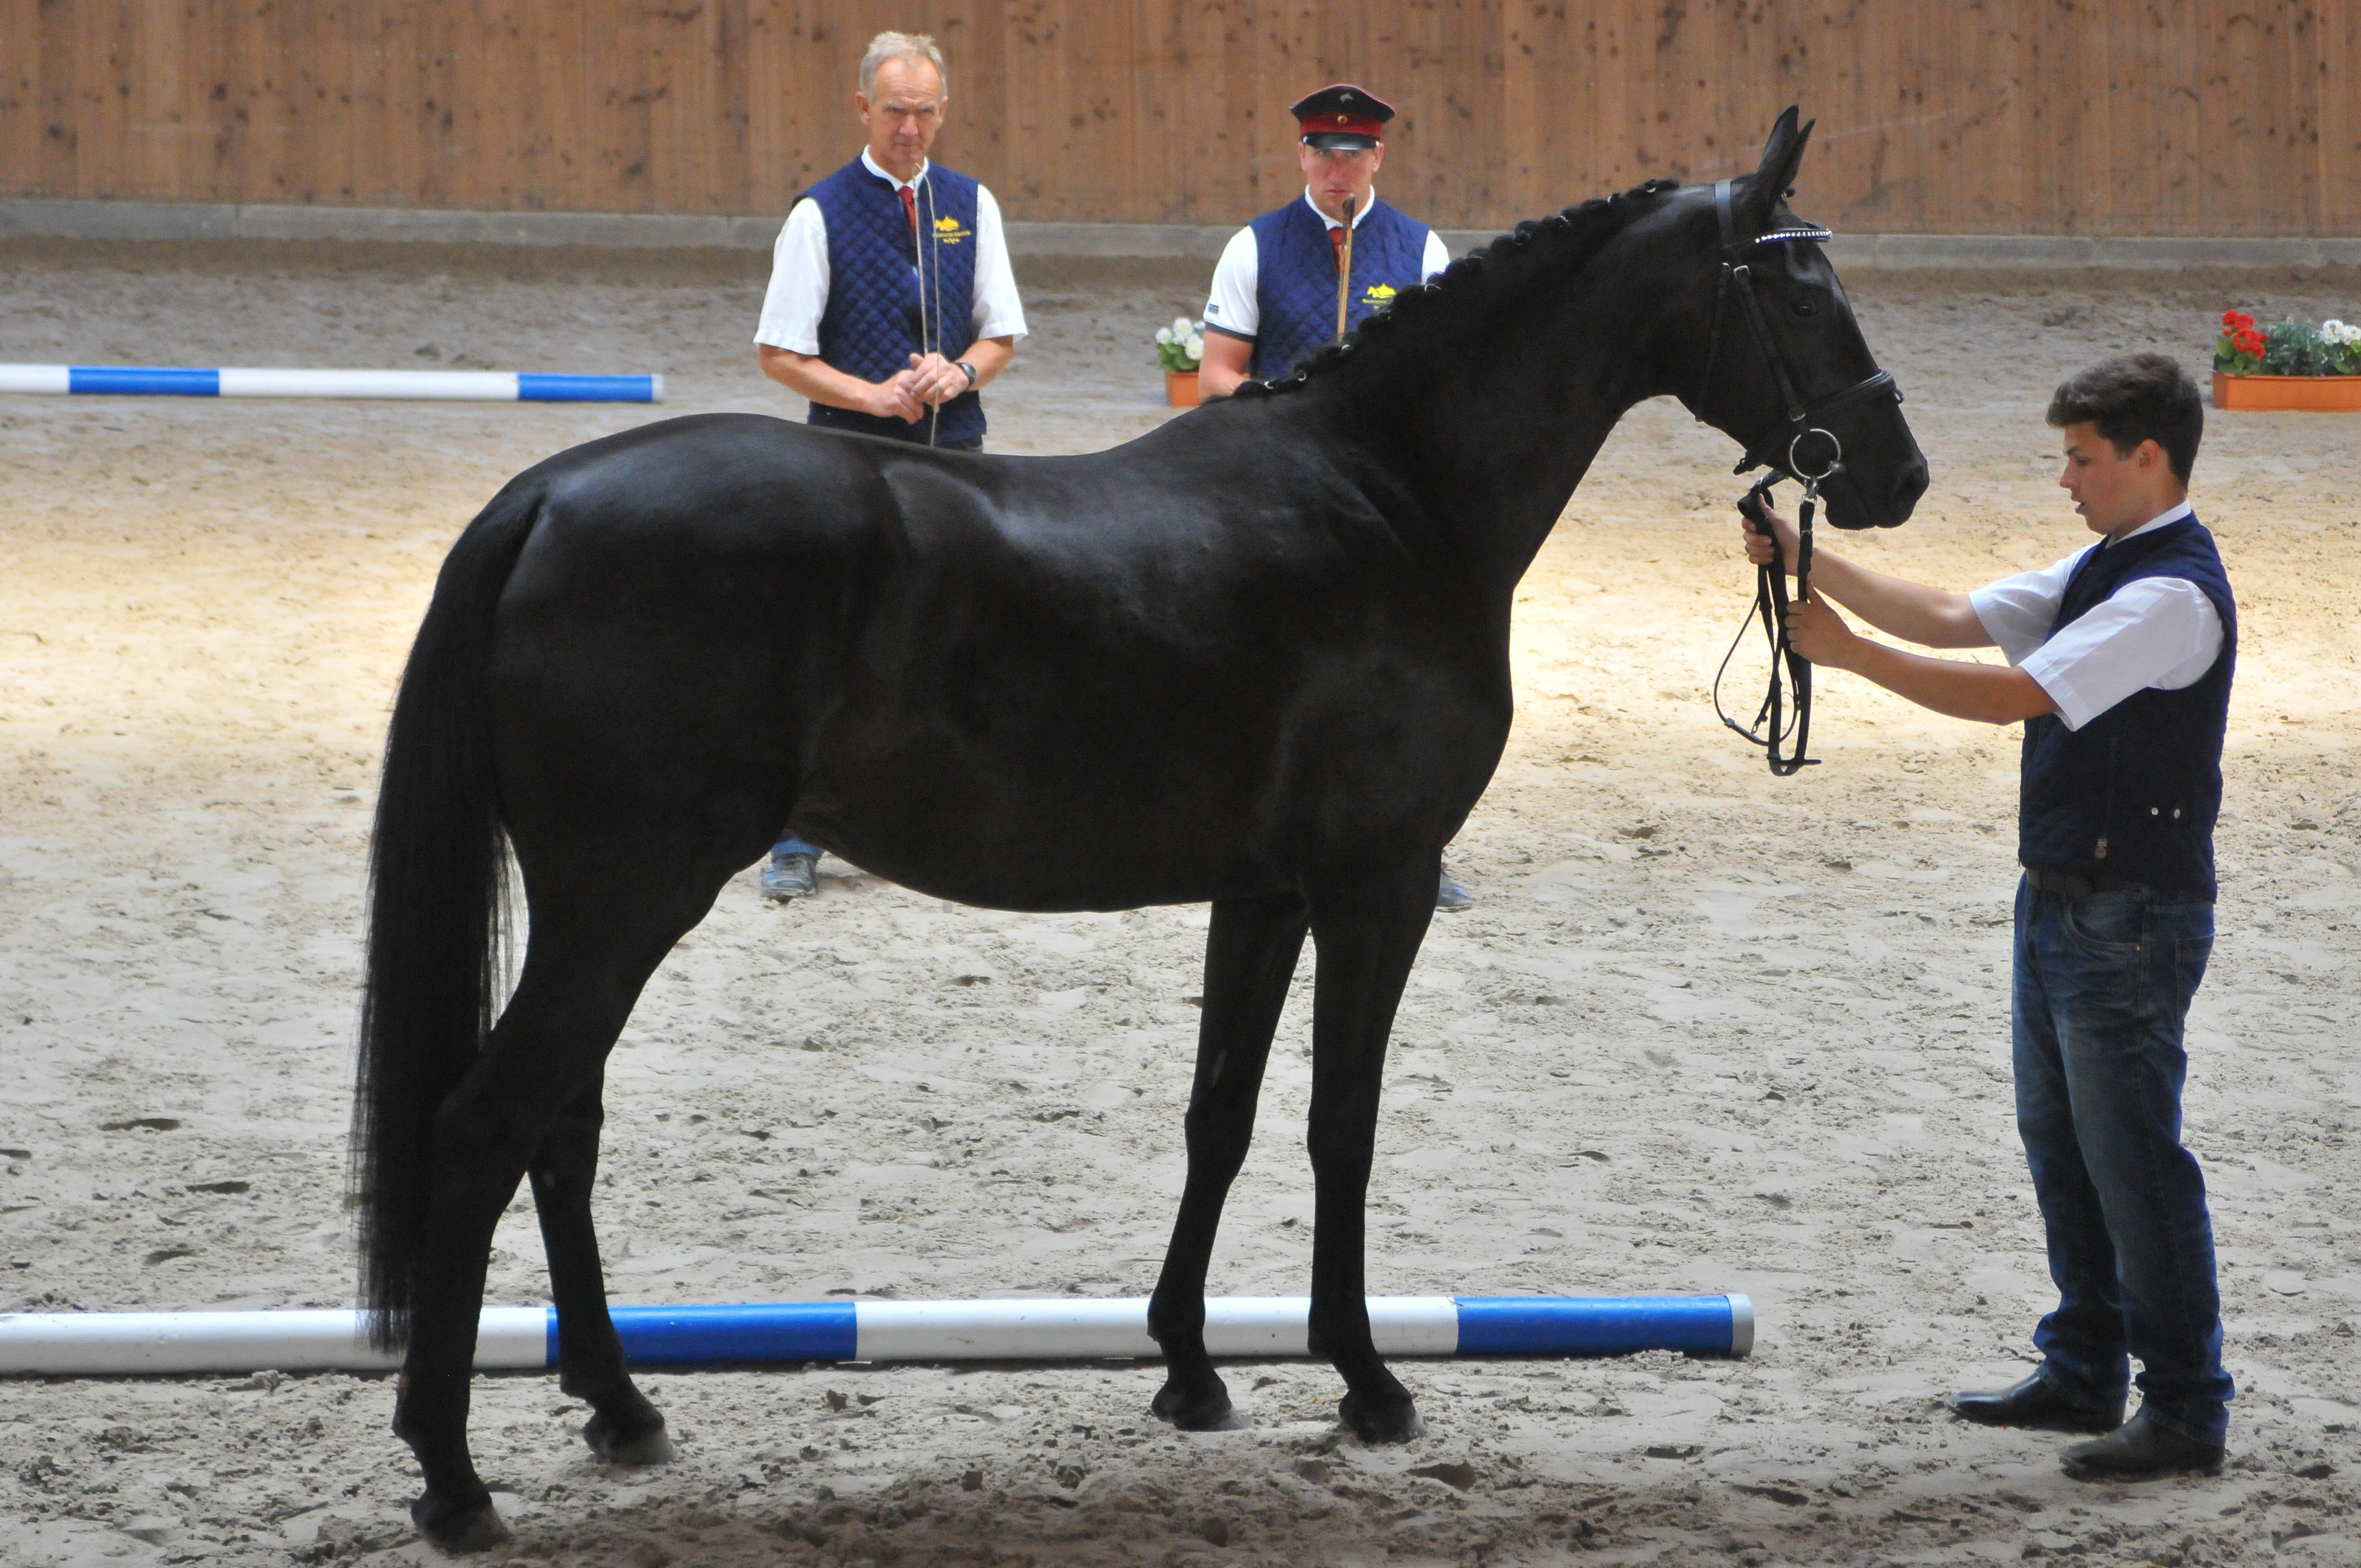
(1770, 729)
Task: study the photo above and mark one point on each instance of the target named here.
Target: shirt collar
(2175, 515)
(1359, 218)
(871, 164)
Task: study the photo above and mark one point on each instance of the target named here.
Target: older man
(1276, 287)
(892, 300)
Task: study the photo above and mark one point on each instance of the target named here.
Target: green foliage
(2292, 348)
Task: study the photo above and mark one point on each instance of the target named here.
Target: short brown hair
(2136, 398)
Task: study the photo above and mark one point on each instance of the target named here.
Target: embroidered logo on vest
(1378, 294)
(950, 231)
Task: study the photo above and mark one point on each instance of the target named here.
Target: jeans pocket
(2113, 922)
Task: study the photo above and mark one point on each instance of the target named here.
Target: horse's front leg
(1250, 955)
(1368, 931)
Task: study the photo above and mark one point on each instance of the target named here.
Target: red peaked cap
(1342, 116)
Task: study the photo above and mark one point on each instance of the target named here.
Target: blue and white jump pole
(1047, 1329)
(439, 386)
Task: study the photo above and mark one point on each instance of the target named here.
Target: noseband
(1769, 729)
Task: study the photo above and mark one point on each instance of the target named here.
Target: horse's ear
(1783, 155)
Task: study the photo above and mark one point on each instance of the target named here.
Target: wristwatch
(971, 373)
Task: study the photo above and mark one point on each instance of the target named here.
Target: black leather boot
(2038, 1404)
(2139, 1450)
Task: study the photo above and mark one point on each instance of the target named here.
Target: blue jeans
(2101, 990)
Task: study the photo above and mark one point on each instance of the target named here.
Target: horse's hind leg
(624, 1428)
(581, 978)
(1250, 955)
(1367, 932)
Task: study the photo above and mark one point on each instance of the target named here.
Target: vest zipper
(2107, 812)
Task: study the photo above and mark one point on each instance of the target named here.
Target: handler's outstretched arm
(1990, 693)
(1932, 617)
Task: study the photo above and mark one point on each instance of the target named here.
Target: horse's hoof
(459, 1527)
(1371, 1421)
(1200, 1411)
(648, 1447)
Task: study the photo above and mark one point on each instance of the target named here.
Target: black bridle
(1736, 281)
(1798, 424)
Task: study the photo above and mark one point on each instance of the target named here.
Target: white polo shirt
(2152, 631)
(799, 293)
(1232, 306)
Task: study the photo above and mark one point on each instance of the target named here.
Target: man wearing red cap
(1275, 288)
(1274, 296)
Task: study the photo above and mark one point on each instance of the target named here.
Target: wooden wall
(2043, 116)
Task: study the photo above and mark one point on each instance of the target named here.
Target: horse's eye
(1803, 307)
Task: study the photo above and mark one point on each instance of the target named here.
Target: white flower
(1179, 328)
(1164, 334)
(2336, 332)
(1196, 347)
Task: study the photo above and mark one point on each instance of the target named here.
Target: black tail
(438, 886)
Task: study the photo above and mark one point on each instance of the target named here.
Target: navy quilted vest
(2133, 793)
(1295, 290)
(872, 323)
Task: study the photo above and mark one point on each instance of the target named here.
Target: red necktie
(1336, 242)
(910, 207)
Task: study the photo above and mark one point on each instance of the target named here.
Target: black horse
(1259, 657)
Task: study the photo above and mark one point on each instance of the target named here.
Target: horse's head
(1779, 363)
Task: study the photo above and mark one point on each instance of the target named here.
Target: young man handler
(2119, 663)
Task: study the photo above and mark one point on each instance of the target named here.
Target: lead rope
(933, 411)
(1770, 729)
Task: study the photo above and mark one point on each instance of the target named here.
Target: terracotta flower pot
(1180, 388)
(2307, 394)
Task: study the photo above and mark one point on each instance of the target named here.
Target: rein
(1737, 280)
(1769, 729)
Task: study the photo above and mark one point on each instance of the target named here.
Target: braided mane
(1561, 243)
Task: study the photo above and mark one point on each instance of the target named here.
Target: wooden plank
(1996, 83)
(2179, 146)
(2239, 126)
(2145, 63)
(2297, 84)
(22, 81)
(2339, 153)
